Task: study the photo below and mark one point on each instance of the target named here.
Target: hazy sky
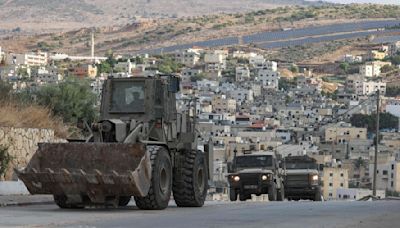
(367, 1)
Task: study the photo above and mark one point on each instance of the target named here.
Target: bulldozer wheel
(61, 201)
(191, 191)
(123, 201)
(161, 180)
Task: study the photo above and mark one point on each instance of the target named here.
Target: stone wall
(22, 144)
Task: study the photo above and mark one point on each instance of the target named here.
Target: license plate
(250, 187)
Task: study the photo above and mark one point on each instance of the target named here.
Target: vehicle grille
(249, 178)
(297, 180)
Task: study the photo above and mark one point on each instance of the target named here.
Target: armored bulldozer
(141, 147)
(302, 178)
(256, 173)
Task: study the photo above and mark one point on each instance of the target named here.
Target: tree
(387, 68)
(168, 66)
(294, 69)
(5, 90)
(73, 100)
(396, 60)
(344, 67)
(386, 121)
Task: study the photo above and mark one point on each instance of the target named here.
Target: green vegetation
(386, 121)
(344, 67)
(72, 100)
(393, 91)
(168, 65)
(198, 77)
(285, 84)
(5, 160)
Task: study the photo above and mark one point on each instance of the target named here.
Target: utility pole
(376, 142)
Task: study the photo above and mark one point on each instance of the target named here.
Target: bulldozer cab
(139, 98)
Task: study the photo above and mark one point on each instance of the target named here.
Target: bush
(5, 160)
(72, 100)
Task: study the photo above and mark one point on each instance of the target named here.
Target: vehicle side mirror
(230, 167)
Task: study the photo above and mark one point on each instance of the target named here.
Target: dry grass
(31, 116)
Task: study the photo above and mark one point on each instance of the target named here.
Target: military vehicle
(302, 178)
(256, 173)
(142, 147)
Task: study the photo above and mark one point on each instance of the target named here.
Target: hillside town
(247, 103)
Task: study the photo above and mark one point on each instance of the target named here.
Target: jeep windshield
(127, 97)
(256, 161)
(301, 165)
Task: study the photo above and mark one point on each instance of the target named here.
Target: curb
(16, 204)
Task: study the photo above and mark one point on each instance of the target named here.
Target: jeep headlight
(315, 177)
(236, 178)
(264, 177)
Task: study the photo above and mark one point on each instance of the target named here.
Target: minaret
(92, 53)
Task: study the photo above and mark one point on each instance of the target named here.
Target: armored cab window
(254, 161)
(127, 97)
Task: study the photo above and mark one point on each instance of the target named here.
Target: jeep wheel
(243, 197)
(272, 192)
(161, 180)
(281, 194)
(232, 194)
(318, 196)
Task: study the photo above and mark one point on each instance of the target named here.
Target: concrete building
(257, 61)
(376, 55)
(372, 69)
(85, 70)
(393, 107)
(357, 193)
(188, 58)
(333, 179)
(269, 78)
(370, 87)
(344, 134)
(394, 48)
(125, 67)
(388, 175)
(242, 95)
(242, 73)
(30, 59)
(221, 104)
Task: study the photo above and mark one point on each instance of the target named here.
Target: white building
(243, 55)
(271, 65)
(269, 78)
(125, 67)
(242, 95)
(393, 107)
(370, 87)
(242, 73)
(257, 61)
(372, 69)
(30, 59)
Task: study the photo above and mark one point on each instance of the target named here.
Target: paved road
(213, 214)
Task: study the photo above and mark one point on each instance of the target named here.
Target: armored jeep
(301, 178)
(256, 173)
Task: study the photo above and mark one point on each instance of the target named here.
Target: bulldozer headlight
(106, 126)
(315, 177)
(236, 178)
(264, 177)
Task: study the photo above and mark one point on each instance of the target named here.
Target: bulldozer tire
(161, 180)
(191, 191)
(123, 201)
(233, 194)
(272, 193)
(61, 201)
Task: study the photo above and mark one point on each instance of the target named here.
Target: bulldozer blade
(95, 170)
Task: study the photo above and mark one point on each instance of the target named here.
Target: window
(341, 184)
(392, 166)
(330, 184)
(391, 184)
(385, 172)
(330, 194)
(341, 174)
